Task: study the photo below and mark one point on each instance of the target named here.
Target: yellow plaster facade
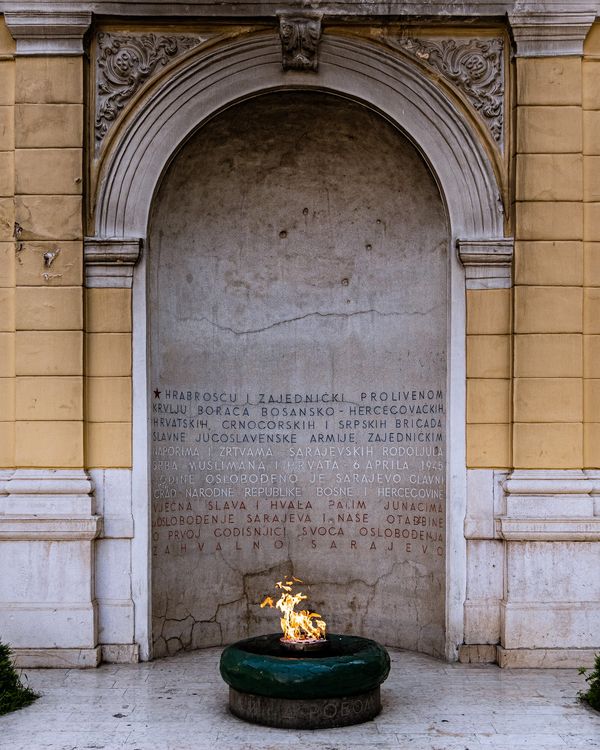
(531, 347)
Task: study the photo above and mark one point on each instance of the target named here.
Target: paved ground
(180, 704)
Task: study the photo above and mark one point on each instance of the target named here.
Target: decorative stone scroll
(124, 62)
(474, 66)
(300, 35)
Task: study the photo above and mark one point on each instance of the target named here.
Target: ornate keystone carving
(124, 62)
(474, 66)
(300, 35)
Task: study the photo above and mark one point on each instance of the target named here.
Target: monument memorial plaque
(298, 318)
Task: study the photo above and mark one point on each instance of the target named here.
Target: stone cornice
(551, 34)
(110, 262)
(446, 9)
(487, 262)
(48, 32)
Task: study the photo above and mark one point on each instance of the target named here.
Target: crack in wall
(316, 314)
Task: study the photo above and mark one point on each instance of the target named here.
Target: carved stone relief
(124, 62)
(300, 35)
(474, 66)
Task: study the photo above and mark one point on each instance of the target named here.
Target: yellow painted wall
(533, 353)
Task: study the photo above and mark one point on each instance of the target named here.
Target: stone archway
(298, 261)
(359, 70)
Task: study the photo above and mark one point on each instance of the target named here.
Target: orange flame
(296, 626)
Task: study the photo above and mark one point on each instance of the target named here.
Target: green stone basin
(349, 665)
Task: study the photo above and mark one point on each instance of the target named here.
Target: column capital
(110, 262)
(553, 34)
(487, 262)
(43, 32)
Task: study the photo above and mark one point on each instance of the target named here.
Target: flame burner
(307, 645)
(290, 685)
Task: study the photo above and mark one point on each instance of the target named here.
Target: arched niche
(208, 83)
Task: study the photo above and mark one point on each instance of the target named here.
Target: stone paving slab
(181, 704)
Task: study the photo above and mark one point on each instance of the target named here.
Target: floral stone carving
(124, 62)
(474, 66)
(300, 34)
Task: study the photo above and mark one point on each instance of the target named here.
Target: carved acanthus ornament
(474, 66)
(300, 35)
(124, 62)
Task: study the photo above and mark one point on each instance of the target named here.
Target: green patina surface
(349, 666)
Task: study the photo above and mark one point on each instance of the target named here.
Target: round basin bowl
(336, 686)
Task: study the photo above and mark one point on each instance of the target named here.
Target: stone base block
(545, 658)
(56, 658)
(121, 653)
(319, 713)
(477, 653)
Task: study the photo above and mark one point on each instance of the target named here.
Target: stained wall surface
(298, 274)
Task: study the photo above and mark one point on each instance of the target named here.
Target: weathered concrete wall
(298, 246)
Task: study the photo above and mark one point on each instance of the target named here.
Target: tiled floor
(180, 704)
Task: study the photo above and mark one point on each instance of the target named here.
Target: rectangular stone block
(7, 399)
(7, 218)
(591, 445)
(108, 310)
(548, 446)
(488, 401)
(49, 353)
(7, 173)
(485, 569)
(66, 268)
(591, 132)
(7, 354)
(7, 82)
(108, 444)
(548, 400)
(108, 354)
(49, 217)
(7, 445)
(548, 309)
(7, 43)
(591, 230)
(591, 356)
(488, 446)
(48, 171)
(7, 127)
(54, 444)
(549, 355)
(58, 309)
(591, 84)
(488, 356)
(591, 45)
(113, 569)
(549, 130)
(108, 399)
(591, 400)
(591, 310)
(49, 398)
(550, 625)
(7, 264)
(7, 309)
(591, 263)
(547, 220)
(591, 175)
(549, 80)
(49, 80)
(549, 177)
(488, 311)
(48, 125)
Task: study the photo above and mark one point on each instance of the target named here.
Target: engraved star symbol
(157, 393)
